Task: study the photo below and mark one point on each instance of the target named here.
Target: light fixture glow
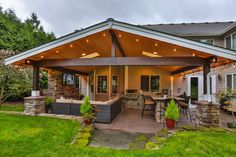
(87, 40)
(104, 34)
(119, 35)
(28, 61)
(57, 51)
(175, 50)
(155, 53)
(193, 54)
(83, 54)
(148, 54)
(71, 45)
(137, 40)
(92, 55)
(41, 56)
(156, 44)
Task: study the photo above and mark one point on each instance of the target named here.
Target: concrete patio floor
(129, 120)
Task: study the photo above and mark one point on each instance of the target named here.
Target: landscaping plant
(172, 114)
(48, 103)
(86, 109)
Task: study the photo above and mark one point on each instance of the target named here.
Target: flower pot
(88, 121)
(170, 124)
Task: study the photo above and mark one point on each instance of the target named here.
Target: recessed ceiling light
(104, 34)
(87, 40)
(156, 44)
(137, 40)
(119, 35)
(57, 51)
(28, 61)
(41, 56)
(155, 53)
(83, 54)
(175, 50)
(71, 45)
(193, 54)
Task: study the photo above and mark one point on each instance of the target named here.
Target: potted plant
(48, 103)
(86, 110)
(171, 114)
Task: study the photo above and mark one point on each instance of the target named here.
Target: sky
(65, 16)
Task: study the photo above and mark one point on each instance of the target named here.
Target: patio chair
(147, 104)
(232, 107)
(184, 107)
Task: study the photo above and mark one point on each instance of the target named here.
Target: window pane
(114, 84)
(229, 81)
(155, 83)
(102, 84)
(234, 41)
(234, 81)
(208, 41)
(145, 82)
(228, 42)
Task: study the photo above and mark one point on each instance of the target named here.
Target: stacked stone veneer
(56, 87)
(34, 105)
(207, 114)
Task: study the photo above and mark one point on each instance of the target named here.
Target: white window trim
(97, 84)
(231, 39)
(118, 83)
(149, 75)
(232, 81)
(213, 43)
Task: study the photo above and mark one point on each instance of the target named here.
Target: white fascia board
(209, 49)
(58, 42)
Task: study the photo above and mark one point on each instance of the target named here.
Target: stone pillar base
(34, 105)
(208, 114)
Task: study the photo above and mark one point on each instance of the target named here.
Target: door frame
(200, 85)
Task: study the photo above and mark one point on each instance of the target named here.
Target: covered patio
(116, 60)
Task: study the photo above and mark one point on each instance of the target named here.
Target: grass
(42, 136)
(12, 107)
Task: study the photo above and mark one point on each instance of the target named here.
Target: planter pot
(170, 124)
(88, 121)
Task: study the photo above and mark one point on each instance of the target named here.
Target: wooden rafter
(114, 38)
(184, 69)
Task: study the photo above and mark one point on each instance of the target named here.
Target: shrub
(86, 108)
(49, 101)
(172, 111)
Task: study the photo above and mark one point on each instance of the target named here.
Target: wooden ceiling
(132, 45)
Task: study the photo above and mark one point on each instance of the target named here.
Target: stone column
(34, 105)
(208, 114)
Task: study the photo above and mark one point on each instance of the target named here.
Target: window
(231, 81)
(208, 41)
(150, 83)
(114, 84)
(155, 83)
(102, 84)
(145, 82)
(230, 42)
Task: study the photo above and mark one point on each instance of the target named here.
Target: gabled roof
(125, 27)
(194, 29)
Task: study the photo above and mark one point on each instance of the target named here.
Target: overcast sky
(65, 16)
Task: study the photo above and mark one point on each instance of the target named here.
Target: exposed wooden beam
(115, 39)
(113, 61)
(69, 71)
(184, 69)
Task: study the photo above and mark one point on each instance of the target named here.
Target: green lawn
(41, 136)
(12, 107)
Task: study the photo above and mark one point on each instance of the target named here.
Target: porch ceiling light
(155, 53)
(92, 55)
(137, 40)
(119, 35)
(83, 54)
(104, 34)
(156, 44)
(193, 54)
(71, 46)
(148, 54)
(87, 40)
(57, 51)
(175, 50)
(41, 57)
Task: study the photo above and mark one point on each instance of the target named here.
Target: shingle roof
(194, 29)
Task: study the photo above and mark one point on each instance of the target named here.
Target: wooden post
(206, 70)
(113, 47)
(35, 78)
